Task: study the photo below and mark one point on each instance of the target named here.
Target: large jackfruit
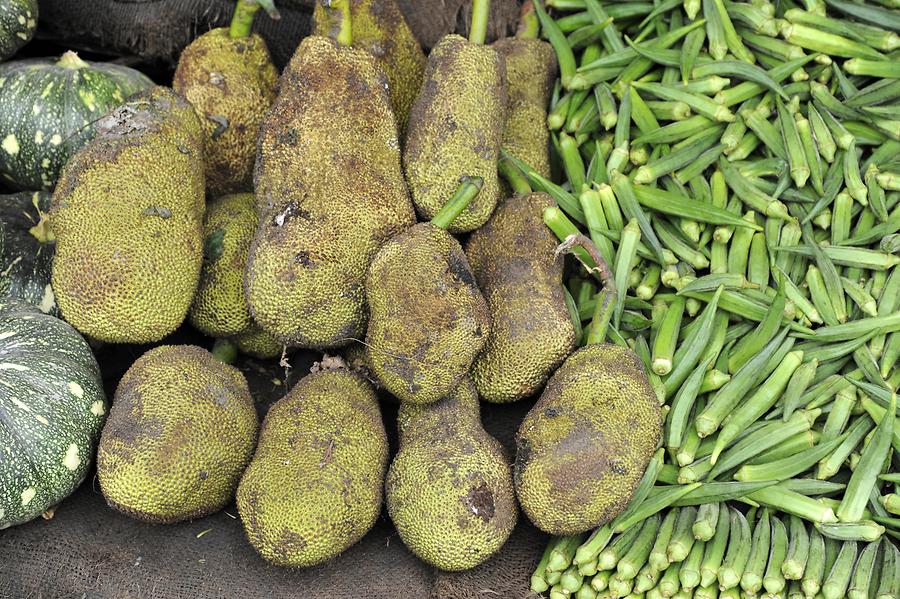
(514, 261)
(380, 28)
(180, 432)
(530, 72)
(455, 129)
(231, 83)
(128, 215)
(330, 191)
(585, 444)
(427, 317)
(314, 487)
(449, 490)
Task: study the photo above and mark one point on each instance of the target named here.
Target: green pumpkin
(26, 249)
(49, 107)
(18, 20)
(52, 408)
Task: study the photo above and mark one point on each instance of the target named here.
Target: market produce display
(50, 108)
(52, 406)
(671, 229)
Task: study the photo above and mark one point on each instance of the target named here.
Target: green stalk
(469, 188)
(242, 20)
(481, 13)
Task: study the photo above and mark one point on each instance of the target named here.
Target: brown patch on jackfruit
(329, 190)
(514, 260)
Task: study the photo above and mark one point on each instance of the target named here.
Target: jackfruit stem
(340, 13)
(529, 25)
(469, 187)
(481, 12)
(242, 20)
(225, 351)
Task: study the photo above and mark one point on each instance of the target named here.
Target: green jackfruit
(128, 218)
(455, 129)
(585, 444)
(314, 487)
(530, 72)
(514, 261)
(256, 342)
(231, 82)
(330, 191)
(380, 28)
(180, 432)
(427, 318)
(449, 490)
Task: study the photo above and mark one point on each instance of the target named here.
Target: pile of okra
(737, 167)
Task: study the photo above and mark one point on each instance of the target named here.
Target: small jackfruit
(514, 261)
(256, 342)
(380, 28)
(427, 317)
(180, 432)
(330, 191)
(314, 487)
(455, 128)
(530, 72)
(128, 218)
(231, 82)
(449, 490)
(585, 444)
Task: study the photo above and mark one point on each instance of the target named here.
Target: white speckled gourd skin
(18, 20)
(49, 107)
(52, 408)
(26, 250)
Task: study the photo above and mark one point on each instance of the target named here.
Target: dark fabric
(87, 550)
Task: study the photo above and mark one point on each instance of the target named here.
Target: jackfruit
(380, 28)
(585, 444)
(449, 490)
(256, 342)
(180, 432)
(314, 486)
(514, 261)
(455, 128)
(128, 218)
(330, 191)
(427, 318)
(231, 82)
(530, 72)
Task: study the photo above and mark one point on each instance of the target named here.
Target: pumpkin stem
(225, 351)
(242, 21)
(70, 60)
(42, 231)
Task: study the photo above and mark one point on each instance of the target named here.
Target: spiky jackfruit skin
(256, 342)
(380, 28)
(530, 72)
(330, 191)
(449, 490)
(128, 218)
(585, 444)
(180, 433)
(514, 261)
(427, 317)
(231, 82)
(220, 307)
(314, 487)
(455, 130)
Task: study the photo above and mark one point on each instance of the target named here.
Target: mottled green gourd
(585, 444)
(514, 261)
(26, 249)
(315, 484)
(319, 226)
(18, 21)
(220, 305)
(449, 490)
(530, 72)
(53, 406)
(380, 28)
(427, 318)
(128, 220)
(229, 78)
(49, 110)
(180, 433)
(456, 126)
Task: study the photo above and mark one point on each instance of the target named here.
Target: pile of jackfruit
(351, 206)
